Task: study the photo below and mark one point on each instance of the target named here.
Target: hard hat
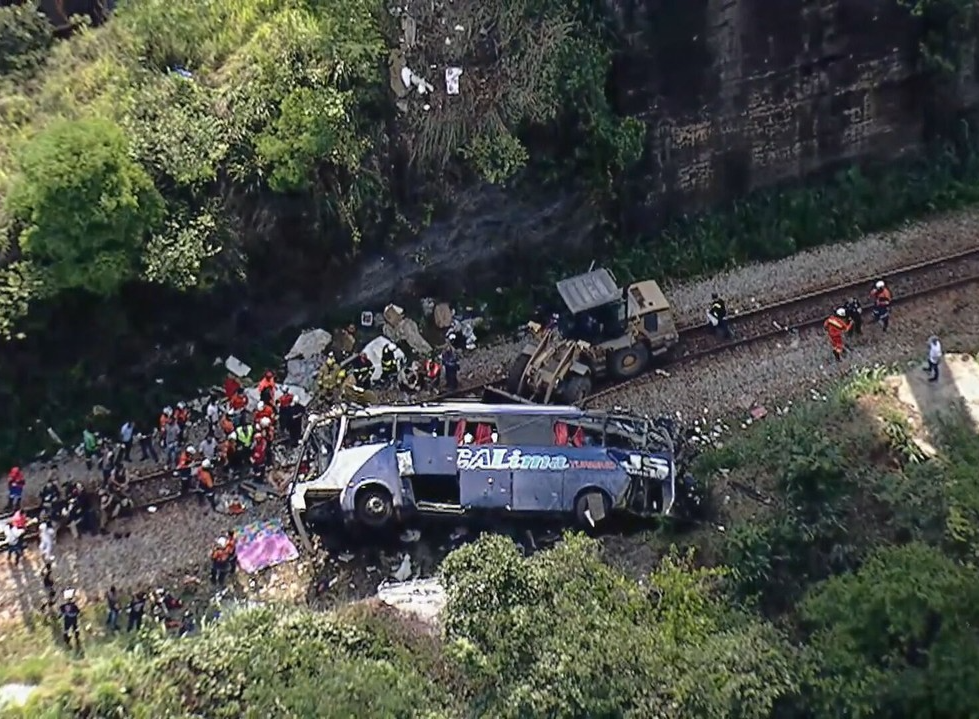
(69, 594)
(261, 405)
(841, 312)
(206, 464)
(190, 449)
(880, 284)
(221, 541)
(265, 422)
(168, 410)
(181, 405)
(341, 374)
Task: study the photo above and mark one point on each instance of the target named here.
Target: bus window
(421, 427)
(486, 433)
(560, 434)
(460, 431)
(369, 431)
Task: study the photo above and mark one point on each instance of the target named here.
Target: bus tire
(581, 507)
(374, 507)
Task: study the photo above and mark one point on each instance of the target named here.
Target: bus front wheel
(374, 507)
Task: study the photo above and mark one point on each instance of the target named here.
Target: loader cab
(597, 310)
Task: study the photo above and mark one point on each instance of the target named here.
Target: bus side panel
(538, 490)
(485, 489)
(614, 482)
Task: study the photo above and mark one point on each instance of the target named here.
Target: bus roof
(464, 408)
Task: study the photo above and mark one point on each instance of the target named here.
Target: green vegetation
(239, 147)
(852, 593)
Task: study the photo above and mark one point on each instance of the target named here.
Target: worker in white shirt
(934, 357)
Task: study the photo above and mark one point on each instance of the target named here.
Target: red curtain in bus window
(560, 434)
(460, 431)
(579, 437)
(484, 435)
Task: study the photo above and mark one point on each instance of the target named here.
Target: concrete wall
(741, 94)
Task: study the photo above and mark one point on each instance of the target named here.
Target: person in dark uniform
(136, 609)
(717, 316)
(450, 363)
(854, 314)
(69, 615)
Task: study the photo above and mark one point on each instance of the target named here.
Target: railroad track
(160, 487)
(767, 322)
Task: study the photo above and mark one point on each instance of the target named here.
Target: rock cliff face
(737, 95)
(742, 94)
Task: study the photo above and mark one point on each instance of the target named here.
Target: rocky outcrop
(743, 94)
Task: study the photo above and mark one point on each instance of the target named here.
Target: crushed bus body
(381, 465)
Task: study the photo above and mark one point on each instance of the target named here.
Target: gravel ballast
(177, 539)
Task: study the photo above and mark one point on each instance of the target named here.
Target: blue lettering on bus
(501, 459)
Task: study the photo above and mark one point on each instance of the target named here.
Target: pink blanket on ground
(264, 544)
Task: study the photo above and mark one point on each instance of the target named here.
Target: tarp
(263, 544)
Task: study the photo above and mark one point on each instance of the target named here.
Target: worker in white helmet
(836, 326)
(881, 295)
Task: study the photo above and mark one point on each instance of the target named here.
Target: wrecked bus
(374, 466)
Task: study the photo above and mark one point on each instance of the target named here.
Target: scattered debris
(236, 367)
(310, 343)
(410, 535)
(452, 75)
(424, 598)
(403, 572)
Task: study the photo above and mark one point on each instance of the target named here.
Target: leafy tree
(314, 127)
(84, 206)
(25, 38)
(562, 634)
(897, 638)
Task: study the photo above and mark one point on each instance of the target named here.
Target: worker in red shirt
(881, 295)
(836, 326)
(260, 454)
(15, 489)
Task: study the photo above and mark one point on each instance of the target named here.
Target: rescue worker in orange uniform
(227, 425)
(165, 418)
(219, 561)
(238, 401)
(836, 326)
(184, 463)
(264, 409)
(181, 416)
(881, 295)
(266, 387)
(205, 481)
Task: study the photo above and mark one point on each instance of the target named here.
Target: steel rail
(812, 301)
(814, 306)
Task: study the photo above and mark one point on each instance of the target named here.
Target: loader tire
(576, 388)
(629, 362)
(515, 375)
